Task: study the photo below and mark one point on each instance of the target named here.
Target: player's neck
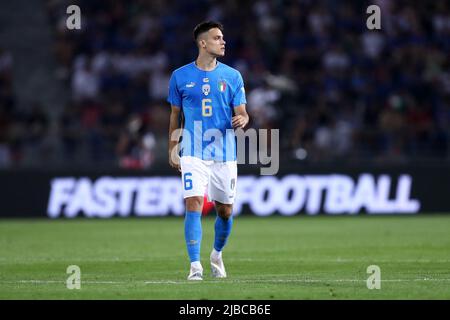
(206, 63)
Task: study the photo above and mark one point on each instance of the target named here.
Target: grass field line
(218, 281)
(345, 260)
(299, 260)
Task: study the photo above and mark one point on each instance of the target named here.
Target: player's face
(215, 44)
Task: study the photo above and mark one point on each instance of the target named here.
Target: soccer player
(210, 96)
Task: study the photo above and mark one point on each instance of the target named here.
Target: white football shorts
(217, 179)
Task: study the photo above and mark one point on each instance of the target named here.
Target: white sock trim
(216, 254)
(196, 265)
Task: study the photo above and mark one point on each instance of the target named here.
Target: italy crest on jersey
(222, 85)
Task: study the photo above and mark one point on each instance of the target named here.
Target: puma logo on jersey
(190, 85)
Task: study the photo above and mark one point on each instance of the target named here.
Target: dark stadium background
(339, 91)
(346, 99)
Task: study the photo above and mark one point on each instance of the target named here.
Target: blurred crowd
(23, 133)
(6, 108)
(336, 90)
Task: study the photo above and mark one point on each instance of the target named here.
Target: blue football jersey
(207, 99)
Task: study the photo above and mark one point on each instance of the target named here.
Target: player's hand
(239, 121)
(174, 162)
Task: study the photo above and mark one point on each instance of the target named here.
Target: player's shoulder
(228, 69)
(183, 69)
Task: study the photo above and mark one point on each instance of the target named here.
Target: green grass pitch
(290, 258)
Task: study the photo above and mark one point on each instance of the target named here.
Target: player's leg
(194, 179)
(223, 225)
(222, 190)
(222, 230)
(193, 235)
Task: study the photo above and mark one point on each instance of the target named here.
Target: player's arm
(174, 136)
(241, 118)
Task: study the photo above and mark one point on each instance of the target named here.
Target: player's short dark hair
(205, 27)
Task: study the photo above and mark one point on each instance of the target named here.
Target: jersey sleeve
(239, 93)
(174, 97)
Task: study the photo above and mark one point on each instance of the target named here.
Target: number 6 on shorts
(187, 182)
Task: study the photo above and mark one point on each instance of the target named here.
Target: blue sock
(193, 234)
(222, 231)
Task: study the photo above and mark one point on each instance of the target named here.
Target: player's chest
(208, 87)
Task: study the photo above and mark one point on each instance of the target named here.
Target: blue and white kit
(208, 146)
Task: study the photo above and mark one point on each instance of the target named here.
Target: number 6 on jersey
(206, 108)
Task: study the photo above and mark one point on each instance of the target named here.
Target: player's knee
(194, 204)
(224, 211)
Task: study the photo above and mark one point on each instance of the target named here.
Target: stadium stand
(338, 91)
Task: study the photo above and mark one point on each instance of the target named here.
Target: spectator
(349, 94)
